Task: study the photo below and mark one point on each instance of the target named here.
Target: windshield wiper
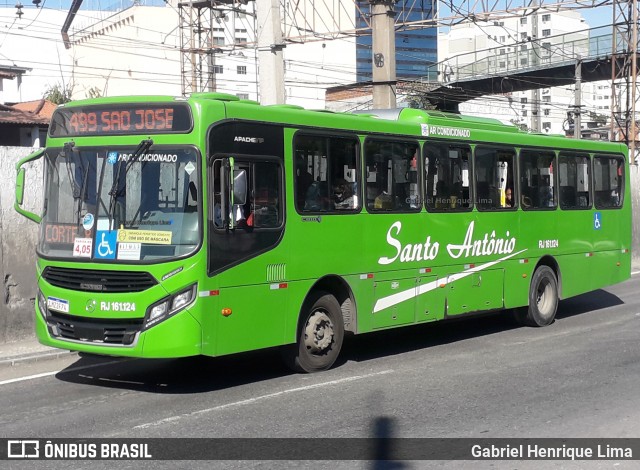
(115, 193)
(78, 190)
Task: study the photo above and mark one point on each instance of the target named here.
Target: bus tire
(543, 299)
(319, 337)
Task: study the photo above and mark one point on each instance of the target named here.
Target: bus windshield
(120, 203)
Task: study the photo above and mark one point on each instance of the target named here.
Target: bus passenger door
(478, 291)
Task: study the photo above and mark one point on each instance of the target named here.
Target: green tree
(58, 93)
(94, 92)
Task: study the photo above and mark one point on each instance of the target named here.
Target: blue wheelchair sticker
(105, 244)
(597, 221)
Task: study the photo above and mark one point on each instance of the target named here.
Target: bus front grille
(94, 330)
(87, 280)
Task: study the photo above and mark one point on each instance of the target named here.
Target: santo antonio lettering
(486, 245)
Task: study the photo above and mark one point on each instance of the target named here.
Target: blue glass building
(416, 50)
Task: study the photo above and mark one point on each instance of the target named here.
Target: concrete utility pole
(270, 47)
(535, 54)
(384, 53)
(577, 120)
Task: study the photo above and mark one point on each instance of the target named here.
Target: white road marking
(249, 401)
(46, 374)
(633, 273)
(28, 377)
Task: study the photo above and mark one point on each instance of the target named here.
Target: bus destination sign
(143, 118)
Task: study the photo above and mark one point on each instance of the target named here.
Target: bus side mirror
(20, 179)
(20, 187)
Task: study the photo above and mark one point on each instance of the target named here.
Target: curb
(35, 357)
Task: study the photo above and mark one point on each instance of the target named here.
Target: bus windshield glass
(128, 204)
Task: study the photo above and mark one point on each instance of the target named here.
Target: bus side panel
(476, 292)
(576, 245)
(256, 320)
(576, 274)
(395, 296)
(430, 299)
(612, 237)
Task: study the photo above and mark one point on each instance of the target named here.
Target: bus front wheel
(319, 337)
(543, 299)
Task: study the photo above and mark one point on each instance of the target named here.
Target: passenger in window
(615, 197)
(343, 195)
(383, 201)
(508, 198)
(313, 200)
(217, 208)
(304, 180)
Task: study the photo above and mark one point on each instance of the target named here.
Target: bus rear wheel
(543, 299)
(320, 335)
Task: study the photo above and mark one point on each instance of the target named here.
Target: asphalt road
(477, 378)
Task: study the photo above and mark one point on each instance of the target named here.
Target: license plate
(59, 305)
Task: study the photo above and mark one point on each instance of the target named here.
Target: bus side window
(494, 173)
(392, 176)
(574, 181)
(327, 173)
(537, 181)
(608, 179)
(447, 180)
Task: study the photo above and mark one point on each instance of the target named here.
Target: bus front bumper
(177, 336)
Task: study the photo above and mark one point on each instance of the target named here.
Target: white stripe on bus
(403, 296)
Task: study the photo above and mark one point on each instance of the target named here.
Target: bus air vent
(276, 272)
(87, 280)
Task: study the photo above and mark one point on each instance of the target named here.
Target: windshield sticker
(132, 223)
(129, 251)
(59, 305)
(82, 247)
(155, 237)
(87, 221)
(150, 157)
(105, 244)
(112, 158)
(103, 224)
(189, 168)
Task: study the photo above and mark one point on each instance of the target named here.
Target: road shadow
(187, 375)
(205, 374)
(415, 337)
(591, 301)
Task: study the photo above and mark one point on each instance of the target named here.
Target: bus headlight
(169, 306)
(42, 304)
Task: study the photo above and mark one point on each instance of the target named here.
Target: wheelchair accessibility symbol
(597, 221)
(105, 246)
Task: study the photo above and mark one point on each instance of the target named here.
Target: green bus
(210, 225)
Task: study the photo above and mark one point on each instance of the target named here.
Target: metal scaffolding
(624, 74)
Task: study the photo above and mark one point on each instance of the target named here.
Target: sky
(594, 16)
